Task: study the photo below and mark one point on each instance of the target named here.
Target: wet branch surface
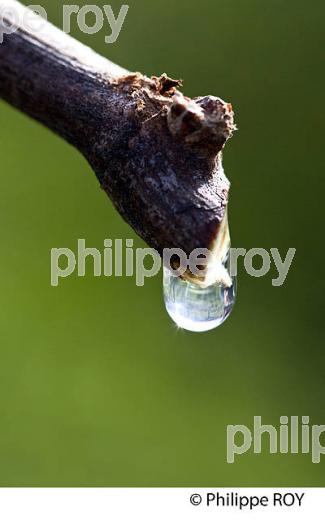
(156, 153)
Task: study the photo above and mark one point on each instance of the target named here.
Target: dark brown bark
(156, 153)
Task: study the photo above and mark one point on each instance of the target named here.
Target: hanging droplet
(196, 308)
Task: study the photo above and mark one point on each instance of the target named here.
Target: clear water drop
(195, 308)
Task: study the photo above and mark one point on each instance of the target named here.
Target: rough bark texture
(156, 153)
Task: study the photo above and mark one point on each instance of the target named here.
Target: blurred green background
(97, 386)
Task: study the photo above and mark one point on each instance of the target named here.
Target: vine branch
(156, 153)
